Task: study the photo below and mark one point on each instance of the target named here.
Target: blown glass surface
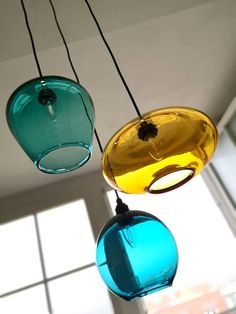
(52, 119)
(136, 255)
(182, 142)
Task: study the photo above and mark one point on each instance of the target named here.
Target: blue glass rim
(147, 292)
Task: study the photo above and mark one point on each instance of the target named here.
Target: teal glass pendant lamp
(136, 254)
(52, 118)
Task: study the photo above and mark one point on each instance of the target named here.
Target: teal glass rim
(62, 146)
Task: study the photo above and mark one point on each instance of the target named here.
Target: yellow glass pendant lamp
(159, 152)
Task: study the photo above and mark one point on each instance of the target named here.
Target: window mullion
(42, 264)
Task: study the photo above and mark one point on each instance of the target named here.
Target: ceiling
(171, 52)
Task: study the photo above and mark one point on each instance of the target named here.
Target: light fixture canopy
(52, 118)
(136, 255)
(159, 152)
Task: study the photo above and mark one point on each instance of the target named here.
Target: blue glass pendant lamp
(52, 118)
(136, 254)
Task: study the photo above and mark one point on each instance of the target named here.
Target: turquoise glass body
(136, 255)
(52, 118)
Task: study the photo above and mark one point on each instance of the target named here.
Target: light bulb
(147, 132)
(153, 150)
(52, 112)
(128, 234)
(48, 98)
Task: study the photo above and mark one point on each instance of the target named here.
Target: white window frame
(213, 181)
(91, 188)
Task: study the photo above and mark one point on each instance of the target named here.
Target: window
(47, 264)
(223, 162)
(221, 173)
(206, 276)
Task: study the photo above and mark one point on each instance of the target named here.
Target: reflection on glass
(19, 262)
(207, 248)
(30, 301)
(82, 292)
(67, 238)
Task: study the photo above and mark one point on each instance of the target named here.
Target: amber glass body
(185, 142)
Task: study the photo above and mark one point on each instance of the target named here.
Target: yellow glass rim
(170, 181)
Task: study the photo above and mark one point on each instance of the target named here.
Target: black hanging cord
(98, 140)
(114, 61)
(64, 41)
(31, 38)
(117, 195)
(118, 200)
(71, 63)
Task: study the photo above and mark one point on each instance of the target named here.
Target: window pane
(82, 292)
(207, 249)
(19, 261)
(30, 301)
(224, 164)
(67, 238)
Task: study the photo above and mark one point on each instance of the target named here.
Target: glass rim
(61, 146)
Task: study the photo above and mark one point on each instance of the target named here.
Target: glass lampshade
(160, 152)
(52, 119)
(136, 255)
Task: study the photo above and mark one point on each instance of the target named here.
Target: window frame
(212, 179)
(45, 278)
(52, 195)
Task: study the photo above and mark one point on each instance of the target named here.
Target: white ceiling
(171, 52)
